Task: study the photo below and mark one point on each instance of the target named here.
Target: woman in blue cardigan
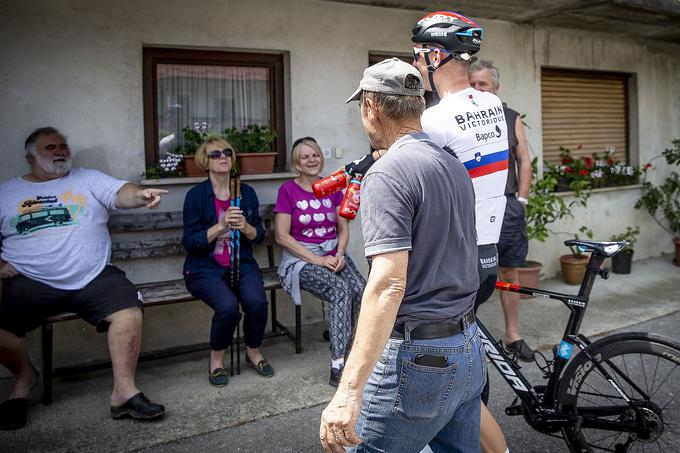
(207, 271)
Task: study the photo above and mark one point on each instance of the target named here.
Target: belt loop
(407, 331)
(464, 325)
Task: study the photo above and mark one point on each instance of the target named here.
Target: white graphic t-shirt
(471, 123)
(55, 232)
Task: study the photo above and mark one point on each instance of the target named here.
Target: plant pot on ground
(529, 276)
(573, 268)
(622, 261)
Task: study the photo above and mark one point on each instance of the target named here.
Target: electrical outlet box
(326, 153)
(338, 152)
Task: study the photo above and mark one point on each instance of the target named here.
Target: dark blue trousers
(214, 290)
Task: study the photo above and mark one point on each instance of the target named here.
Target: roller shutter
(587, 109)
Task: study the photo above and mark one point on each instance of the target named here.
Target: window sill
(603, 190)
(196, 180)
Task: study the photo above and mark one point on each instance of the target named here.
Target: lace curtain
(212, 97)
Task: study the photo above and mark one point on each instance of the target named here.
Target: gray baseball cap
(391, 76)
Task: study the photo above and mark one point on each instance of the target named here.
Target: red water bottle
(330, 184)
(350, 202)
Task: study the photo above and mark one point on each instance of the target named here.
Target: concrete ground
(78, 420)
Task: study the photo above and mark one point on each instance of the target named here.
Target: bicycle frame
(507, 367)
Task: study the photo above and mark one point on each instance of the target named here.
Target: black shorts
(487, 267)
(513, 244)
(26, 303)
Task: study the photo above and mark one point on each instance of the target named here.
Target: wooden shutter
(587, 109)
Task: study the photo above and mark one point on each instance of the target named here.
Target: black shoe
(263, 368)
(219, 377)
(13, 413)
(138, 407)
(336, 374)
(521, 349)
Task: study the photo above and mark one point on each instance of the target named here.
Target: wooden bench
(166, 292)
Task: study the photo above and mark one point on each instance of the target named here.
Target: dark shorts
(26, 303)
(487, 267)
(513, 244)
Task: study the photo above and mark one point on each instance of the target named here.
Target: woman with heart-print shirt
(314, 239)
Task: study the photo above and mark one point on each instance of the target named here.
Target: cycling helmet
(453, 32)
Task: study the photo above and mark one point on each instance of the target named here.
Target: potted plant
(192, 137)
(253, 145)
(662, 200)
(574, 264)
(622, 261)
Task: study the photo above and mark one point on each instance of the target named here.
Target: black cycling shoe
(521, 349)
(138, 407)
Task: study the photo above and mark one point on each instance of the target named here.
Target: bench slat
(147, 248)
(144, 221)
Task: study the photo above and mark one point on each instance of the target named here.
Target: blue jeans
(215, 292)
(407, 406)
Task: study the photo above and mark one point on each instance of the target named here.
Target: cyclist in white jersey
(470, 124)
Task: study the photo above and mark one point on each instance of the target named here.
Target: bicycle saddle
(607, 249)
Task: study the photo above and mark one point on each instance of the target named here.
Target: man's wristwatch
(523, 200)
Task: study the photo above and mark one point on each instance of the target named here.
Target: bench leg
(47, 342)
(238, 348)
(298, 330)
(275, 321)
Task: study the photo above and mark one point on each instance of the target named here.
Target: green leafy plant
(576, 250)
(546, 207)
(662, 200)
(192, 137)
(629, 235)
(168, 166)
(251, 138)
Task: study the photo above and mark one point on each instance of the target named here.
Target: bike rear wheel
(647, 368)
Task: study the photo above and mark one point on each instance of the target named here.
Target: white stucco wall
(77, 65)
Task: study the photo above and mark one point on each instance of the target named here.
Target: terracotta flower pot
(676, 241)
(256, 163)
(573, 268)
(191, 169)
(529, 276)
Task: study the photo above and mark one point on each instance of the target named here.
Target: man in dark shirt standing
(417, 319)
(512, 243)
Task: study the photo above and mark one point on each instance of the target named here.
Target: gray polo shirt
(420, 198)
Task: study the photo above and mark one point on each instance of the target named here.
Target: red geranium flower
(588, 161)
(610, 162)
(567, 160)
(568, 169)
(583, 172)
(648, 165)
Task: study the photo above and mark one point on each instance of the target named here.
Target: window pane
(217, 96)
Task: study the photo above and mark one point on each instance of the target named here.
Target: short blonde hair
(201, 155)
(295, 153)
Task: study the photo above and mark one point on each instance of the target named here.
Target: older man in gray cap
(415, 372)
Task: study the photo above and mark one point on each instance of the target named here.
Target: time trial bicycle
(617, 394)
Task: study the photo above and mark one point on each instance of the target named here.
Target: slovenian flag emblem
(486, 165)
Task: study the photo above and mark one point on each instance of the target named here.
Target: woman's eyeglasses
(226, 152)
(300, 140)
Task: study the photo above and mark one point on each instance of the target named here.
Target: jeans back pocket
(423, 390)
